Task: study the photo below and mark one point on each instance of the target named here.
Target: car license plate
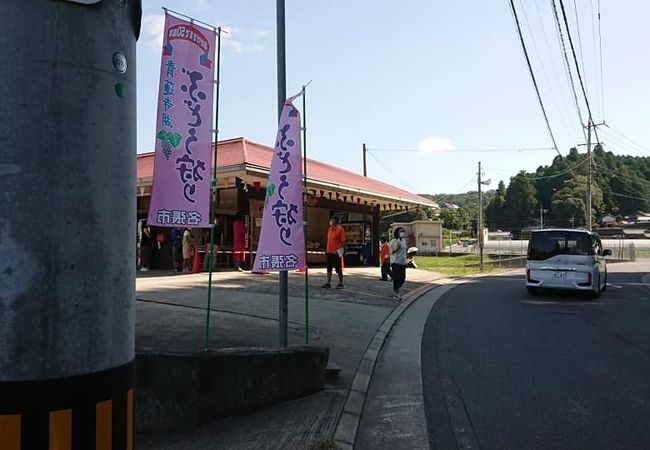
(560, 275)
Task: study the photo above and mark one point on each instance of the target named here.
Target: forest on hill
(621, 186)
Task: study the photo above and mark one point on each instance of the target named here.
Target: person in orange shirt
(334, 251)
(384, 258)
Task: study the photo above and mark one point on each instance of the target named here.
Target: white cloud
(261, 33)
(435, 144)
(238, 40)
(239, 47)
(153, 28)
(202, 4)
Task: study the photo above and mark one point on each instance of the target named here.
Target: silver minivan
(566, 259)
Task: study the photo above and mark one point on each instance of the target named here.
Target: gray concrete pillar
(67, 222)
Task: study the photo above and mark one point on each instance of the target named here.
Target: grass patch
(454, 265)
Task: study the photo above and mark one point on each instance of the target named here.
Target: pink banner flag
(282, 239)
(181, 180)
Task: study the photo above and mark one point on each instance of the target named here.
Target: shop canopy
(242, 161)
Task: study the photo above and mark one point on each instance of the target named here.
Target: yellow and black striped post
(67, 223)
(84, 412)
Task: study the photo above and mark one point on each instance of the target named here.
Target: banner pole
(213, 195)
(304, 207)
(283, 275)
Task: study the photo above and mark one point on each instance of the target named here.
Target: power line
(623, 146)
(532, 76)
(530, 177)
(623, 177)
(572, 169)
(627, 138)
(561, 111)
(568, 66)
(575, 59)
(474, 150)
(602, 83)
(405, 183)
(582, 60)
(629, 196)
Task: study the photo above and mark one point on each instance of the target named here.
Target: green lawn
(453, 265)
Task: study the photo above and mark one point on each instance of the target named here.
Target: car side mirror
(607, 252)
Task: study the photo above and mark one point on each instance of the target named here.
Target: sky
(435, 79)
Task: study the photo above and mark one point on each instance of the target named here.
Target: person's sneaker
(144, 269)
(339, 286)
(396, 296)
(326, 285)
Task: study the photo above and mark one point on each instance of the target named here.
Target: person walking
(384, 257)
(146, 246)
(187, 250)
(334, 252)
(398, 260)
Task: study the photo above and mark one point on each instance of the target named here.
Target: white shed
(426, 235)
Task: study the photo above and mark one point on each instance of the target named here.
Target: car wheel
(532, 290)
(596, 294)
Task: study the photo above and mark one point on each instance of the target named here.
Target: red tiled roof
(239, 151)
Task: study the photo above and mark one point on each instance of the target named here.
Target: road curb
(348, 423)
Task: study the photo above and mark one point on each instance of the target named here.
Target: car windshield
(547, 244)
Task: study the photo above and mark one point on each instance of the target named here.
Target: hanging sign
(181, 181)
(282, 238)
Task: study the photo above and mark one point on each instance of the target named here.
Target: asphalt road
(503, 370)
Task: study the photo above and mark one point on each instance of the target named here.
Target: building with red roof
(242, 172)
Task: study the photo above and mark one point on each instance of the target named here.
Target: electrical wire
(392, 172)
(567, 66)
(532, 76)
(622, 145)
(629, 196)
(623, 177)
(602, 83)
(575, 59)
(463, 150)
(529, 177)
(561, 111)
(582, 61)
(627, 138)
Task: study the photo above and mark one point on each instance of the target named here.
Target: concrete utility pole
(283, 276)
(365, 163)
(542, 211)
(589, 181)
(480, 218)
(588, 212)
(67, 228)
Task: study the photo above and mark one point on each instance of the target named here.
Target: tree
(454, 219)
(569, 203)
(520, 202)
(494, 211)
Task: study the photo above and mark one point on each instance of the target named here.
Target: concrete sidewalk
(171, 313)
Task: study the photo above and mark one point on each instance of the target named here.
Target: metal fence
(502, 251)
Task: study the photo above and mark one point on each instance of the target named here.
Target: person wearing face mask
(334, 251)
(398, 260)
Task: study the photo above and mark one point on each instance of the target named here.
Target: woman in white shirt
(398, 260)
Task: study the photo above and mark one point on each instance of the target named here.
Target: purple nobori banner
(282, 239)
(182, 175)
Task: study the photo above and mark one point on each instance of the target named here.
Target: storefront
(242, 172)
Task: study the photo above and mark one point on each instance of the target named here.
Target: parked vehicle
(566, 259)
